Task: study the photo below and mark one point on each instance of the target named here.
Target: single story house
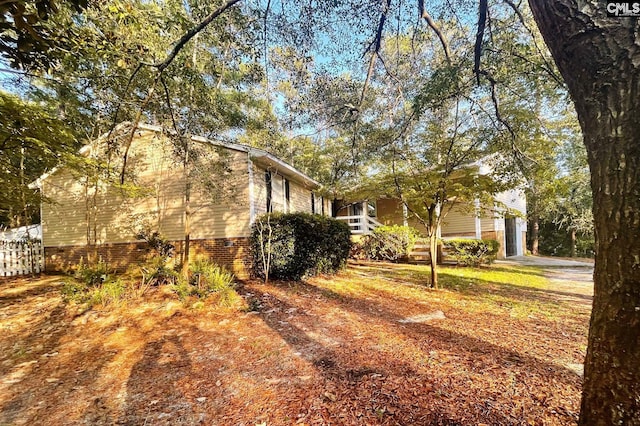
(507, 224)
(228, 186)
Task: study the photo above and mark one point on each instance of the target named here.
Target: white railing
(361, 224)
(21, 258)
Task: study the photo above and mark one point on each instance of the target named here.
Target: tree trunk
(187, 215)
(433, 257)
(535, 234)
(573, 242)
(599, 59)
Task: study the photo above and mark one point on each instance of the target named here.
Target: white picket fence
(21, 258)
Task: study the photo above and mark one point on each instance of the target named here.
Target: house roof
(257, 155)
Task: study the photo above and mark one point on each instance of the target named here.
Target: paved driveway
(564, 274)
(553, 262)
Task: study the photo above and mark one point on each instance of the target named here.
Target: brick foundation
(232, 253)
(499, 237)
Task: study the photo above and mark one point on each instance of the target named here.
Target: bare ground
(370, 346)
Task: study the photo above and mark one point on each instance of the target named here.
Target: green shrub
(93, 275)
(391, 243)
(94, 285)
(299, 244)
(161, 246)
(208, 280)
(74, 290)
(109, 293)
(471, 252)
(156, 272)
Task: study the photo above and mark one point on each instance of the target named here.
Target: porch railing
(361, 224)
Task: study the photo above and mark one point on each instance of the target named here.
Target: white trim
(252, 201)
(405, 214)
(284, 169)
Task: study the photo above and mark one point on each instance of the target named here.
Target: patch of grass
(517, 276)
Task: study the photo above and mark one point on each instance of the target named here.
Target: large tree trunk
(572, 238)
(599, 58)
(535, 234)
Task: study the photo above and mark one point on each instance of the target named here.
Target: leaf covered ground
(496, 346)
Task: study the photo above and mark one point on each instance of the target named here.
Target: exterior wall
(499, 237)
(514, 200)
(259, 190)
(299, 196)
(64, 218)
(159, 202)
(327, 207)
(232, 253)
(117, 256)
(390, 211)
(459, 223)
(456, 223)
(487, 221)
(221, 218)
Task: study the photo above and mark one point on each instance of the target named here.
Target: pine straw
(331, 350)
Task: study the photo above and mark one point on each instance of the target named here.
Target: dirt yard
(496, 346)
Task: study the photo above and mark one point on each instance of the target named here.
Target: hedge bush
(391, 242)
(471, 252)
(300, 244)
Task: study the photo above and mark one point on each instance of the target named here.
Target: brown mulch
(332, 350)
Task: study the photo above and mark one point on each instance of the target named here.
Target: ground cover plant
(496, 345)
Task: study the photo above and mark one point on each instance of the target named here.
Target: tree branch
(477, 52)
(548, 67)
(425, 15)
(191, 33)
(376, 44)
(160, 67)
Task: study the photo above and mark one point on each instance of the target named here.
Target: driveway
(572, 276)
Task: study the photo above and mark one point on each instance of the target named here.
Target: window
(287, 198)
(313, 203)
(267, 180)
